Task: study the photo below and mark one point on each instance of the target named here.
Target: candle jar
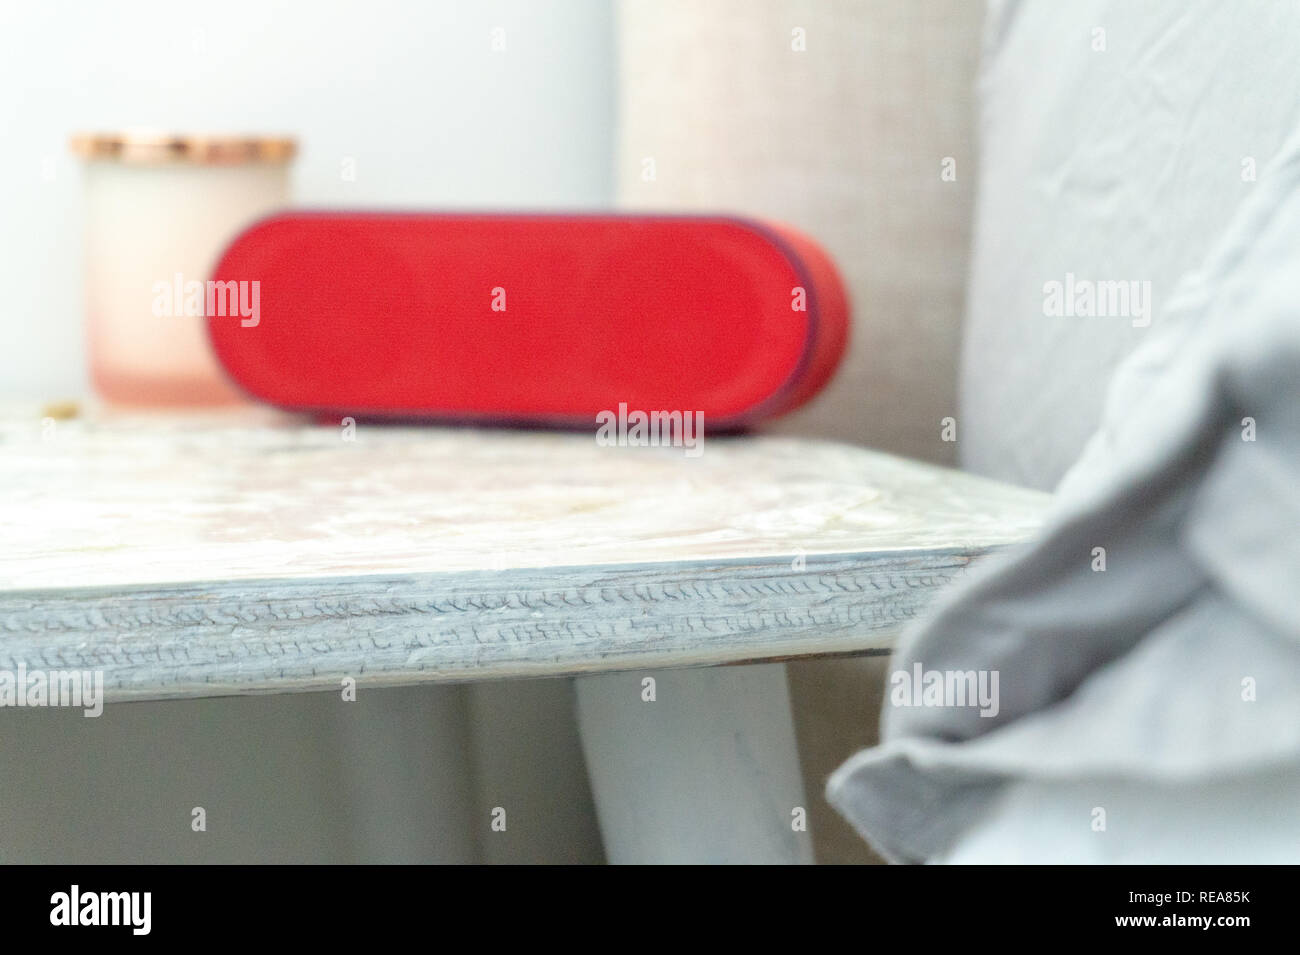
(159, 211)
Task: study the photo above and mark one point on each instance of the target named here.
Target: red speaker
(530, 319)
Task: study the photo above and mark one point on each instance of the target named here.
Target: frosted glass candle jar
(159, 210)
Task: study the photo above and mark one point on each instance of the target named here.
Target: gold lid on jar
(146, 147)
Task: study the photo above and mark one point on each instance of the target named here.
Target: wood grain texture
(197, 555)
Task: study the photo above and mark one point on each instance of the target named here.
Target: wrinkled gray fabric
(1125, 162)
(1142, 673)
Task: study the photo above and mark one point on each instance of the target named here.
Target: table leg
(706, 771)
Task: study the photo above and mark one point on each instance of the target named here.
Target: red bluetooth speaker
(538, 319)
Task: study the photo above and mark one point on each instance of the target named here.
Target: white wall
(412, 91)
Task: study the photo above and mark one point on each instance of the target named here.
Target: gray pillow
(1147, 647)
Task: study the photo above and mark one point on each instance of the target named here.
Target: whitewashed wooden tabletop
(209, 554)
